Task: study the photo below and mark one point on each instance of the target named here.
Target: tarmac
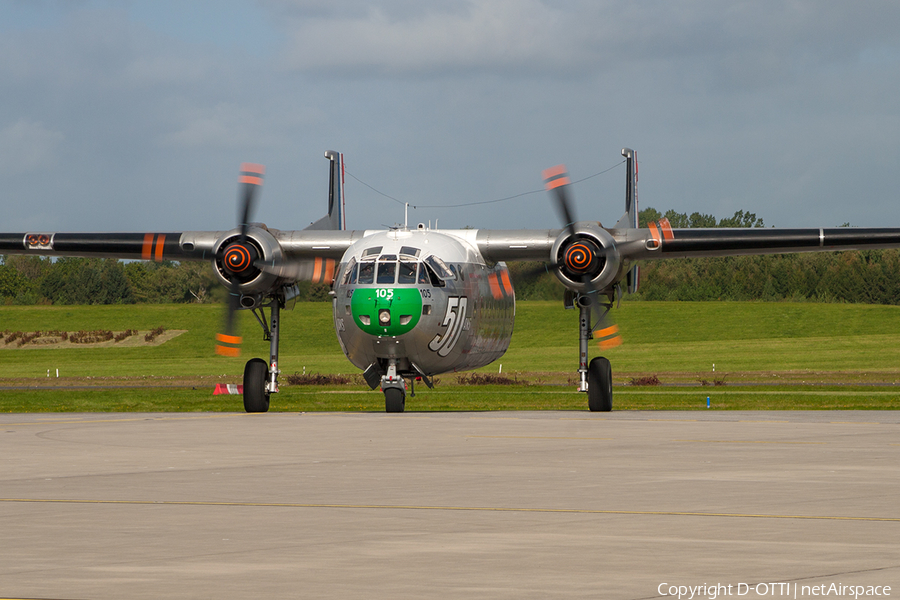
(620, 505)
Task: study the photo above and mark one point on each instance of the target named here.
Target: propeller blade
(556, 179)
(316, 270)
(251, 178)
(228, 343)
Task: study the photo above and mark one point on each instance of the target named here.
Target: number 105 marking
(386, 293)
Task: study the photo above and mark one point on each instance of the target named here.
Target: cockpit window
(350, 272)
(386, 272)
(432, 278)
(440, 268)
(410, 251)
(366, 272)
(423, 276)
(372, 251)
(407, 272)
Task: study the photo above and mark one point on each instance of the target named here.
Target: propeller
(238, 258)
(316, 270)
(581, 256)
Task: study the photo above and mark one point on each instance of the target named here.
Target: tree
(742, 219)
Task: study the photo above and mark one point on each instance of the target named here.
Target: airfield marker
(707, 402)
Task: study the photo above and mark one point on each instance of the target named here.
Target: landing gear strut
(260, 379)
(596, 378)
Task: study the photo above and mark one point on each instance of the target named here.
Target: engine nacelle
(590, 256)
(235, 260)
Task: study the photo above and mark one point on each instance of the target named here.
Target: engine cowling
(235, 260)
(587, 259)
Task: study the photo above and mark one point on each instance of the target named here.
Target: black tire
(600, 385)
(394, 400)
(256, 397)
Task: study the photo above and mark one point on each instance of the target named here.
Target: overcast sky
(135, 116)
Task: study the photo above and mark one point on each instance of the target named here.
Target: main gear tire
(600, 385)
(256, 396)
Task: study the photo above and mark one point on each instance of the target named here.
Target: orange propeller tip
(555, 177)
(228, 351)
(228, 345)
(254, 168)
(610, 343)
(554, 171)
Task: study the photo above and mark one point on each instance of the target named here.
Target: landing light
(384, 316)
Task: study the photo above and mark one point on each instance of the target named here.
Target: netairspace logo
(776, 590)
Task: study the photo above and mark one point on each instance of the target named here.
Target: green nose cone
(403, 306)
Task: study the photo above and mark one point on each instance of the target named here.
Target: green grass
(453, 398)
(678, 341)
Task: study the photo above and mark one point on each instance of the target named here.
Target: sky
(136, 115)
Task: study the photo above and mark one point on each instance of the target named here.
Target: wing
(177, 246)
(661, 241)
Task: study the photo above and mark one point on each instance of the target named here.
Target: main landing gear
(596, 377)
(261, 379)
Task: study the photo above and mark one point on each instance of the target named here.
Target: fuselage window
(386, 272)
(407, 273)
(366, 273)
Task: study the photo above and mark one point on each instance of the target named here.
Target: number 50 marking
(453, 321)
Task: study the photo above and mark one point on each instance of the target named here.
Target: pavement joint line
(76, 420)
(498, 509)
(537, 437)
(749, 442)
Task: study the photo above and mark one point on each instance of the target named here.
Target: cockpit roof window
(440, 268)
(410, 251)
(372, 251)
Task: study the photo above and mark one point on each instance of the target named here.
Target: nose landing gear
(394, 389)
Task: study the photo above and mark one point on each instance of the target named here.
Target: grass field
(785, 350)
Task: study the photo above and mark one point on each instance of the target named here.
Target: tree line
(865, 276)
(69, 280)
(869, 276)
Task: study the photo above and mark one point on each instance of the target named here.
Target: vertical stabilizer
(630, 219)
(335, 219)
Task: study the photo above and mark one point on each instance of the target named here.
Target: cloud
(729, 47)
(502, 34)
(27, 146)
